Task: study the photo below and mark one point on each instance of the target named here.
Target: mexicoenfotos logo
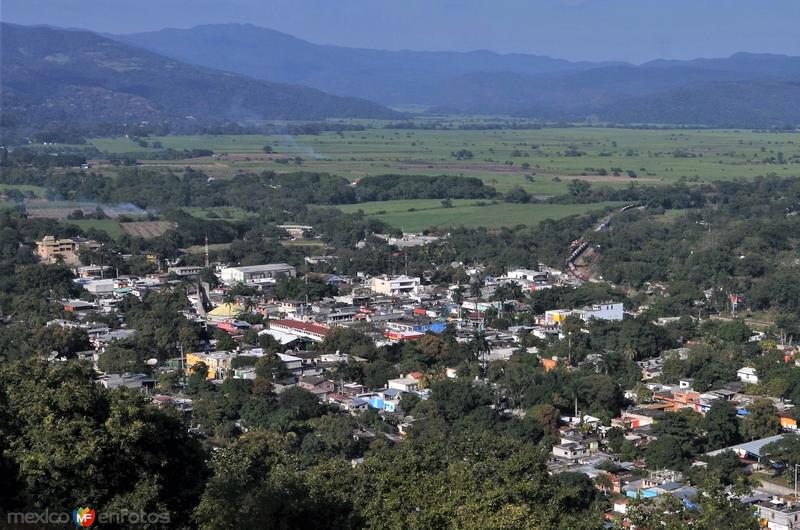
(83, 516)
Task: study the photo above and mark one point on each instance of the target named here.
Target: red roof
(301, 326)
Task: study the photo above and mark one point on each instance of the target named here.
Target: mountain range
(52, 75)
(223, 73)
(742, 90)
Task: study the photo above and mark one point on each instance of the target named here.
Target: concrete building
(779, 515)
(394, 285)
(49, 249)
(405, 384)
(747, 375)
(603, 311)
(256, 273)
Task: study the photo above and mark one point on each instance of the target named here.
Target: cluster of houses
(396, 308)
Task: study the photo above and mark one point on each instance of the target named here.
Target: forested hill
(744, 90)
(55, 75)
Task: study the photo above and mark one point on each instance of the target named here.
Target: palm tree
(480, 348)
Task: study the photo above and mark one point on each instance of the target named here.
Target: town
(376, 348)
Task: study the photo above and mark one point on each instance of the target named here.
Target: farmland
(418, 215)
(530, 158)
(541, 161)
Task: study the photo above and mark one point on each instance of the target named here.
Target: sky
(625, 30)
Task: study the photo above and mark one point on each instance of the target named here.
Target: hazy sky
(631, 30)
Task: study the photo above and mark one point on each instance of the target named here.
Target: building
(186, 271)
(218, 362)
(570, 451)
(256, 273)
(297, 231)
(779, 515)
(298, 329)
(747, 375)
(555, 317)
(603, 311)
(49, 249)
(394, 285)
(405, 384)
(134, 381)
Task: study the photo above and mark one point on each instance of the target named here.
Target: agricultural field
(540, 160)
(146, 229)
(109, 226)
(417, 215)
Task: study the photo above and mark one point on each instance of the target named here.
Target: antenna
(206, 251)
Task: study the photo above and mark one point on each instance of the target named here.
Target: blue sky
(630, 30)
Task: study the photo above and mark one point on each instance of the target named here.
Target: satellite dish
(151, 362)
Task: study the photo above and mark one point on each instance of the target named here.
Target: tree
(665, 453)
(59, 424)
(785, 451)
(547, 416)
(120, 357)
(258, 479)
(721, 425)
(578, 188)
(761, 420)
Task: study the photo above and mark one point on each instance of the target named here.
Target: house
(395, 285)
(405, 384)
(290, 362)
(297, 231)
(777, 515)
(72, 306)
(555, 317)
(49, 249)
(570, 451)
(256, 273)
(603, 311)
(135, 381)
(747, 375)
(317, 385)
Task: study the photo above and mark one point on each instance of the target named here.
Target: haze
(628, 30)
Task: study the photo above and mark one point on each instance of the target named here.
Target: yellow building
(218, 362)
(556, 316)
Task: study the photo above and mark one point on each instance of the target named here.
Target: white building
(256, 273)
(603, 311)
(393, 286)
(747, 375)
(405, 384)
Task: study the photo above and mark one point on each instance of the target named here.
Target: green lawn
(468, 213)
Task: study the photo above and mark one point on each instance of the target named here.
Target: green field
(37, 191)
(655, 156)
(223, 213)
(109, 226)
(428, 213)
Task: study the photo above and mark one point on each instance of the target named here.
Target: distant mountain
(758, 90)
(390, 77)
(77, 77)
